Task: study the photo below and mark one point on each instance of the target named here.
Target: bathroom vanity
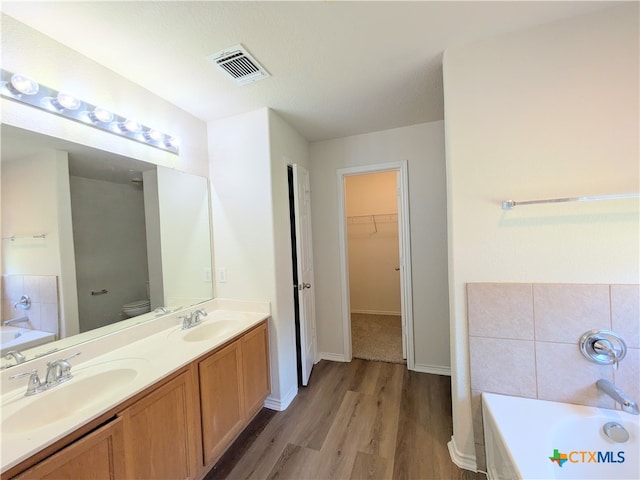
(166, 404)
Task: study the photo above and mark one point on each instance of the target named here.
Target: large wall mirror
(93, 242)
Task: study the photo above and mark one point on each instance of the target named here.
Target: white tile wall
(501, 310)
(564, 312)
(43, 292)
(523, 341)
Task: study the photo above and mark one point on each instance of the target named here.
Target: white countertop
(137, 357)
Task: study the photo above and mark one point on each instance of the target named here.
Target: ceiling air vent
(239, 65)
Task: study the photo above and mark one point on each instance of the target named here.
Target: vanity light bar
(23, 89)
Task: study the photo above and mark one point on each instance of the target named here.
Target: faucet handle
(59, 371)
(603, 347)
(33, 372)
(70, 357)
(197, 314)
(187, 321)
(34, 385)
(65, 367)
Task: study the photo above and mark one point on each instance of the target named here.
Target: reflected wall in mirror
(94, 238)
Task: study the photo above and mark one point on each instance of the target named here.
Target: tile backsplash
(43, 293)
(523, 341)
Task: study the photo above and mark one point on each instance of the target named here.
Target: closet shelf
(374, 219)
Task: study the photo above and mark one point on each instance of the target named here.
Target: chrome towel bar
(509, 204)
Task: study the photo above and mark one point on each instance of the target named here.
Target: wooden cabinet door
(220, 400)
(255, 369)
(161, 432)
(99, 455)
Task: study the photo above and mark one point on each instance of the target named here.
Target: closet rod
(13, 238)
(509, 204)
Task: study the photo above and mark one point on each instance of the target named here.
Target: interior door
(306, 298)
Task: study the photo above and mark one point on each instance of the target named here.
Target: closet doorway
(376, 289)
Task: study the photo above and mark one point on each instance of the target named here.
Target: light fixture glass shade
(102, 115)
(68, 101)
(172, 142)
(22, 89)
(131, 126)
(24, 84)
(153, 135)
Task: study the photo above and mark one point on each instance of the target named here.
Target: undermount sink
(87, 386)
(209, 330)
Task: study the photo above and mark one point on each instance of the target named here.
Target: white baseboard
(468, 462)
(376, 312)
(435, 369)
(279, 405)
(332, 357)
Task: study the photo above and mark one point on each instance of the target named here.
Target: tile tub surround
(43, 293)
(523, 341)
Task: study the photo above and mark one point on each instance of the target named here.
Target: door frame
(406, 303)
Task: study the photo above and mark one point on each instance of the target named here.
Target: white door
(306, 298)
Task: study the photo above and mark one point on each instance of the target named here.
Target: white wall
(544, 113)
(36, 200)
(249, 154)
(153, 229)
(371, 204)
(185, 241)
(30, 52)
(423, 147)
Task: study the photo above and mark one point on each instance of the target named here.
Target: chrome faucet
(57, 373)
(193, 319)
(24, 303)
(14, 321)
(16, 355)
(619, 396)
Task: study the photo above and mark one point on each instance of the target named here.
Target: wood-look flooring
(357, 420)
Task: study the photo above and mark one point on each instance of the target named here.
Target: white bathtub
(16, 338)
(522, 436)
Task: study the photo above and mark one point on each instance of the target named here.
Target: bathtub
(16, 338)
(530, 439)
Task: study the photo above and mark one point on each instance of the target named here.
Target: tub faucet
(14, 321)
(619, 396)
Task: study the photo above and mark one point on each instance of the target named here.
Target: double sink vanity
(161, 399)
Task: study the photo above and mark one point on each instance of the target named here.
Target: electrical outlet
(207, 275)
(222, 275)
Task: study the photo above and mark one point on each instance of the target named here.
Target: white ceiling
(337, 68)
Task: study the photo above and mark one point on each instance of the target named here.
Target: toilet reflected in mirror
(133, 309)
